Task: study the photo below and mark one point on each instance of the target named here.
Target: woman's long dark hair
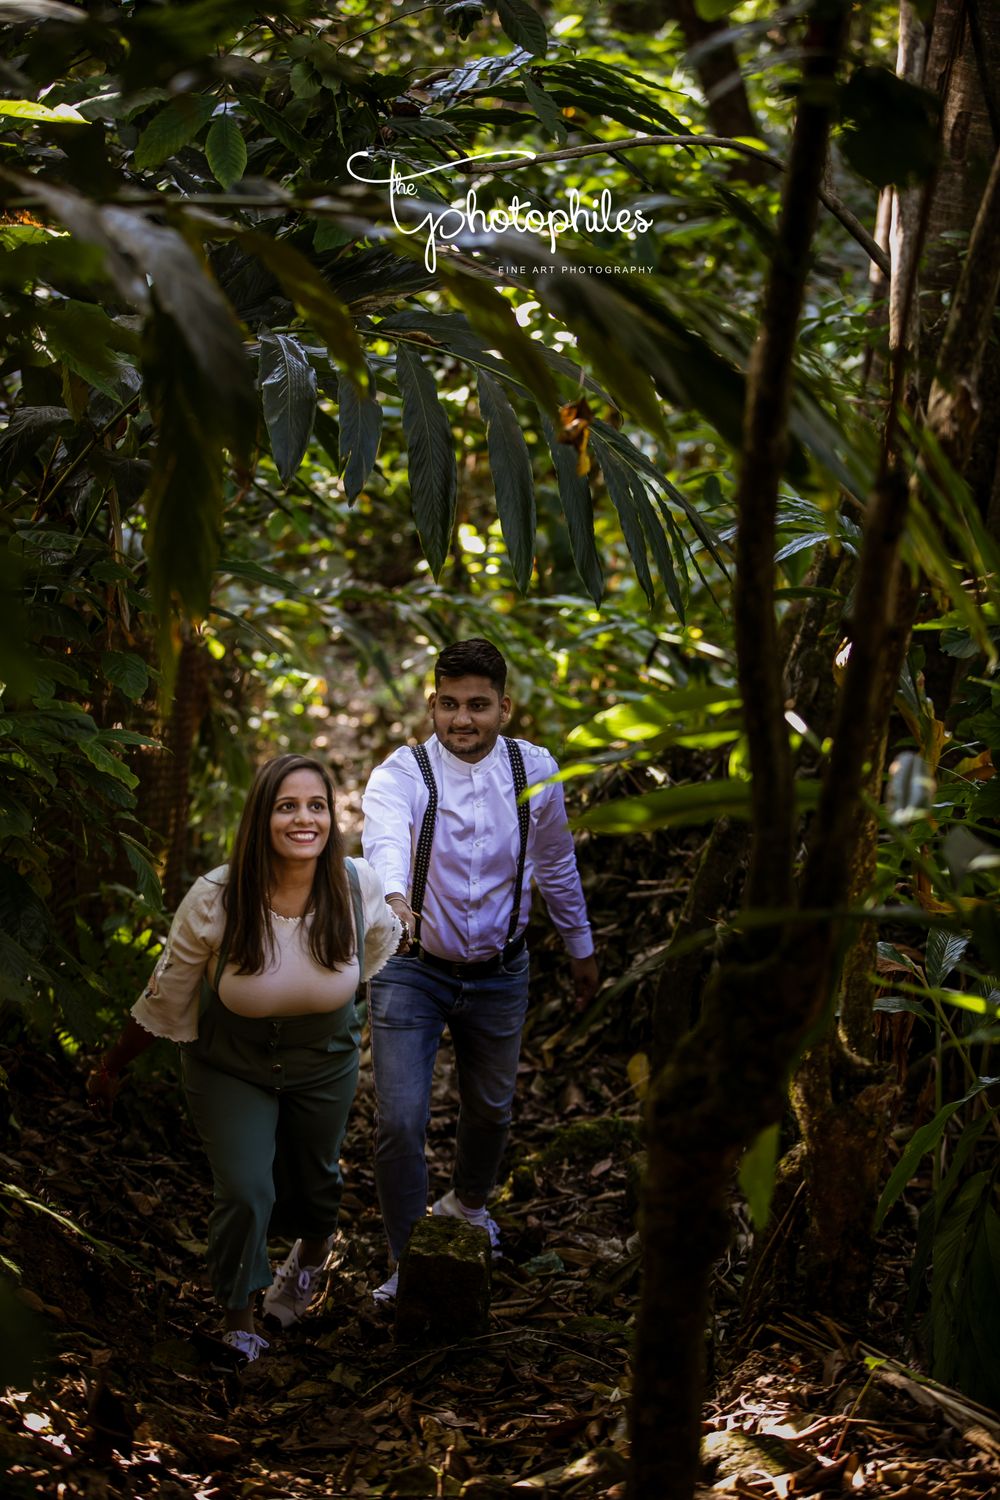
(248, 940)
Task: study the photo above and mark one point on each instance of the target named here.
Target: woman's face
(300, 818)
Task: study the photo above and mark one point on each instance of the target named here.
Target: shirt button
(276, 1068)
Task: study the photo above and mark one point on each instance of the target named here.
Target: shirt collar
(464, 767)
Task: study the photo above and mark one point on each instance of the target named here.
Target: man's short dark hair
(474, 658)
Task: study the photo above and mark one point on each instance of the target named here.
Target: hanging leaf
(185, 488)
(276, 125)
(492, 316)
(523, 25)
(757, 1174)
(319, 306)
(545, 107)
(360, 432)
(288, 393)
(432, 468)
(578, 508)
(891, 128)
(172, 128)
(619, 481)
(127, 671)
(510, 465)
(226, 150)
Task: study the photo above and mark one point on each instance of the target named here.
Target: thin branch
(829, 199)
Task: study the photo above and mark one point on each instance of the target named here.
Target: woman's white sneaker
(250, 1345)
(294, 1287)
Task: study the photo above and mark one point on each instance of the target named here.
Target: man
(456, 851)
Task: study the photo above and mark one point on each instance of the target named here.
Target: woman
(257, 981)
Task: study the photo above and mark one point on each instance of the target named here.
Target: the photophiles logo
(465, 217)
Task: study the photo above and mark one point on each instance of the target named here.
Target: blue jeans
(411, 1004)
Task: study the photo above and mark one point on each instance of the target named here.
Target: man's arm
(558, 879)
(387, 836)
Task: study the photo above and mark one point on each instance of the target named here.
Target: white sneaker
(452, 1207)
(294, 1286)
(250, 1345)
(387, 1291)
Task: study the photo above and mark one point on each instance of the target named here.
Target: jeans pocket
(518, 964)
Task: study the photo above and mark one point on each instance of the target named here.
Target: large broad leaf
(184, 289)
(757, 1173)
(360, 431)
(28, 428)
(226, 150)
(523, 25)
(493, 319)
(944, 951)
(27, 109)
(621, 483)
(578, 508)
(892, 128)
(923, 1140)
(276, 125)
(510, 464)
(288, 394)
(185, 492)
(307, 288)
(432, 468)
(172, 128)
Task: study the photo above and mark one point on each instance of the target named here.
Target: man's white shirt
(470, 885)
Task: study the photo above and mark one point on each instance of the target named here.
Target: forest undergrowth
(107, 1221)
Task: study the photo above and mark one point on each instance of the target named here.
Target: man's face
(468, 713)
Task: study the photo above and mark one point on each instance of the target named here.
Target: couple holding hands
(258, 977)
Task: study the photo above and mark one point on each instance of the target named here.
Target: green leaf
(944, 951)
(892, 128)
(226, 150)
(757, 1171)
(144, 869)
(276, 125)
(677, 806)
(288, 392)
(318, 305)
(510, 465)
(127, 671)
(578, 508)
(545, 107)
(432, 469)
(102, 760)
(714, 10)
(172, 128)
(27, 429)
(185, 490)
(360, 432)
(26, 109)
(493, 318)
(524, 26)
(923, 1140)
(619, 481)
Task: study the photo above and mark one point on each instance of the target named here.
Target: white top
(470, 884)
(168, 1006)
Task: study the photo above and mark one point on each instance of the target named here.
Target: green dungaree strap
(270, 1097)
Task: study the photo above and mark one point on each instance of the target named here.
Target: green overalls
(270, 1100)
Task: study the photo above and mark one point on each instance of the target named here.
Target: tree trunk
(727, 1079)
(717, 67)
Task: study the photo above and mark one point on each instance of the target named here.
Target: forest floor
(104, 1226)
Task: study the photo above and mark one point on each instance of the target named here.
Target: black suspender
(426, 836)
